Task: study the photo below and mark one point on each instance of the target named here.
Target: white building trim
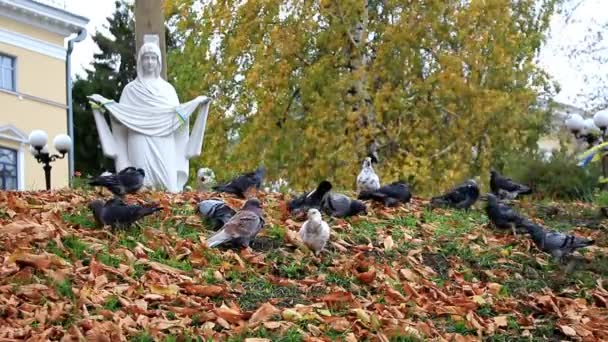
(32, 44)
(42, 16)
(12, 133)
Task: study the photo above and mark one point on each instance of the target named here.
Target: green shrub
(559, 177)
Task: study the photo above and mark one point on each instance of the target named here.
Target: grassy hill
(402, 274)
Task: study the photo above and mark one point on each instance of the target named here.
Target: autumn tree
(441, 87)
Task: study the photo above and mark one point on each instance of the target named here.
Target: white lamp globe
(600, 119)
(45, 149)
(38, 138)
(575, 123)
(62, 143)
(33, 151)
(590, 127)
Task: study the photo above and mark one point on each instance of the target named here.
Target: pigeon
(216, 211)
(128, 181)
(338, 205)
(239, 185)
(117, 214)
(501, 215)
(462, 196)
(505, 187)
(391, 194)
(310, 199)
(367, 180)
(205, 178)
(315, 231)
(555, 243)
(242, 227)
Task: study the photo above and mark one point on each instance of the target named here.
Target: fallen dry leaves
(63, 279)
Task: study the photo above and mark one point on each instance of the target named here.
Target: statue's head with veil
(150, 128)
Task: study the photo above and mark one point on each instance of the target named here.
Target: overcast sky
(553, 57)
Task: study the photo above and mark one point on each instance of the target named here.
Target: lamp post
(39, 149)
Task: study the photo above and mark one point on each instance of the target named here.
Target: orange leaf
(262, 314)
(228, 314)
(204, 290)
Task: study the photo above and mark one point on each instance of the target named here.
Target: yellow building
(32, 88)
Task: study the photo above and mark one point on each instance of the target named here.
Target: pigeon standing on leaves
(338, 205)
(205, 179)
(315, 231)
(505, 187)
(242, 227)
(128, 181)
(390, 194)
(310, 199)
(462, 196)
(239, 185)
(501, 215)
(117, 214)
(216, 211)
(367, 180)
(555, 243)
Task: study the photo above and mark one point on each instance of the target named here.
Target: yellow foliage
(303, 87)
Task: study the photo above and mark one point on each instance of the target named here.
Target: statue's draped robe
(151, 131)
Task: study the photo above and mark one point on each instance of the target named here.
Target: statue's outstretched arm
(114, 142)
(195, 142)
(108, 146)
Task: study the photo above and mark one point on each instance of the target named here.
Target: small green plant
(64, 288)
(112, 303)
(276, 232)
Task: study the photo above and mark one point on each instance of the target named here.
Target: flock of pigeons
(239, 228)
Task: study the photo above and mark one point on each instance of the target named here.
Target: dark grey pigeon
(217, 211)
(391, 194)
(501, 215)
(505, 187)
(555, 243)
(117, 214)
(338, 205)
(462, 196)
(311, 199)
(128, 181)
(242, 227)
(239, 185)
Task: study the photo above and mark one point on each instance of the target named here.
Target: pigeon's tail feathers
(218, 238)
(579, 242)
(102, 181)
(524, 190)
(438, 201)
(145, 211)
(371, 195)
(323, 188)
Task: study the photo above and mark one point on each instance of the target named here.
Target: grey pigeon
(128, 181)
(315, 232)
(239, 185)
(391, 194)
(501, 215)
(242, 227)
(462, 196)
(117, 214)
(367, 180)
(555, 243)
(505, 187)
(310, 199)
(338, 205)
(216, 211)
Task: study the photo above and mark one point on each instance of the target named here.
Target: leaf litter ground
(400, 274)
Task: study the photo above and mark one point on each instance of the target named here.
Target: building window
(8, 169)
(7, 72)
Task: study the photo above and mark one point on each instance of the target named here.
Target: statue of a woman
(150, 128)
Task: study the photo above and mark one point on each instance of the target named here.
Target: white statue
(150, 127)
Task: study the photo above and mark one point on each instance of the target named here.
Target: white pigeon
(367, 180)
(205, 178)
(315, 231)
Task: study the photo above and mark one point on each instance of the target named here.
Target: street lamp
(39, 149)
(600, 119)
